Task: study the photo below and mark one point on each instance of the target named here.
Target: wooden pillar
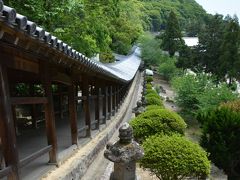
(110, 102)
(85, 92)
(7, 130)
(118, 97)
(97, 104)
(114, 100)
(33, 108)
(60, 95)
(105, 102)
(73, 113)
(49, 113)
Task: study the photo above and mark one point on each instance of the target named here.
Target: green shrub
(153, 107)
(174, 157)
(154, 95)
(149, 79)
(168, 68)
(199, 93)
(149, 86)
(221, 137)
(154, 101)
(157, 121)
(188, 88)
(149, 91)
(212, 97)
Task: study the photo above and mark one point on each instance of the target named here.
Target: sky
(221, 6)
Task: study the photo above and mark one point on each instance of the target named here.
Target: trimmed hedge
(153, 107)
(154, 95)
(149, 86)
(149, 91)
(154, 101)
(149, 79)
(157, 121)
(174, 157)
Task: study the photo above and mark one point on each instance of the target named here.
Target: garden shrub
(168, 68)
(174, 157)
(148, 91)
(157, 121)
(154, 101)
(149, 79)
(153, 107)
(149, 86)
(213, 96)
(154, 95)
(199, 93)
(221, 137)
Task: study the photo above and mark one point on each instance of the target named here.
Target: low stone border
(76, 165)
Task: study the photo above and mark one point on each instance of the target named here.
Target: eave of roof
(123, 71)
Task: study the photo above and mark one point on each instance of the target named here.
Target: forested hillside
(190, 14)
(103, 26)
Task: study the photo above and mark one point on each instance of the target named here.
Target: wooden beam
(62, 78)
(28, 100)
(26, 65)
(73, 113)
(7, 126)
(49, 113)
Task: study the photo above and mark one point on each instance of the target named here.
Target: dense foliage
(221, 137)
(103, 26)
(150, 50)
(174, 157)
(198, 93)
(89, 26)
(157, 121)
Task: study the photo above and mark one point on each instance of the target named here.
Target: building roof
(21, 28)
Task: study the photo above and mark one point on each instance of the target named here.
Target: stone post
(124, 153)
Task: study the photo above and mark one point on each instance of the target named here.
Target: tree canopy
(103, 26)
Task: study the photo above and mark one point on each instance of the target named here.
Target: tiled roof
(123, 71)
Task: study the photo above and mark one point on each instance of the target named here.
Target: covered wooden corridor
(45, 85)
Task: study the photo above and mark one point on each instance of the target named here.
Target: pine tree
(172, 37)
(209, 48)
(230, 55)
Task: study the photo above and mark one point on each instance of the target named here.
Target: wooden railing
(5, 172)
(27, 160)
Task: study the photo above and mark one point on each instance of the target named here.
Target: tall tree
(230, 54)
(172, 37)
(208, 50)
